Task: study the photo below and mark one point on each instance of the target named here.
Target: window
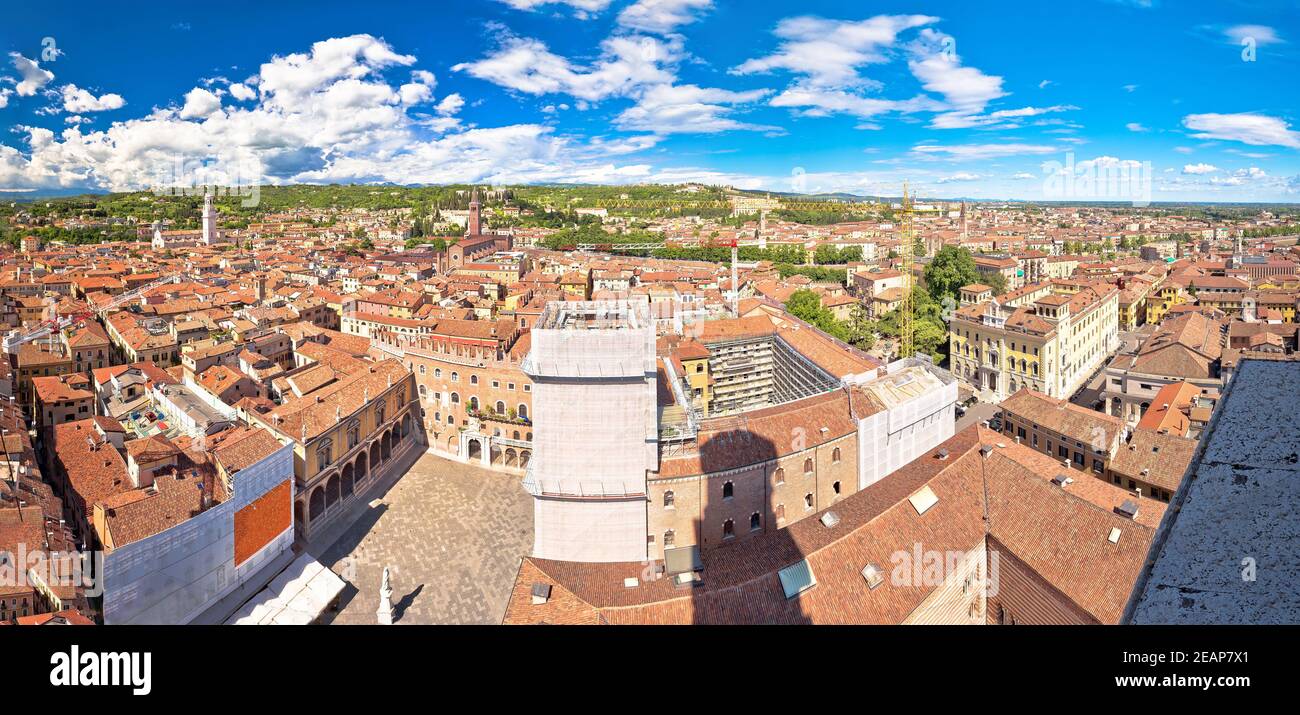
(473, 379)
(455, 377)
(807, 501)
(755, 522)
(729, 529)
(780, 475)
(728, 490)
(455, 398)
(354, 434)
(836, 487)
(380, 412)
(669, 536)
(510, 385)
(501, 407)
(437, 372)
(495, 384)
(668, 500)
(835, 456)
(699, 367)
(421, 369)
(324, 454)
(808, 466)
(780, 512)
(522, 411)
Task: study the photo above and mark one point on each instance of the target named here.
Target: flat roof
(1229, 554)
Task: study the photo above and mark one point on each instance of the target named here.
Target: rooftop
(1227, 553)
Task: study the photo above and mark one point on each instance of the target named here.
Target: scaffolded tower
(906, 250)
(595, 435)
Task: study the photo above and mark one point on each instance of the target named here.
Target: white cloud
(4, 96)
(1130, 87)
(1199, 168)
(661, 16)
(78, 101)
(1135, 127)
(1044, 83)
(1254, 129)
(583, 9)
(328, 116)
(672, 109)
(33, 77)
(829, 53)
(1023, 176)
(972, 152)
(199, 103)
(815, 102)
(242, 92)
(959, 176)
(451, 104)
(1260, 34)
(626, 63)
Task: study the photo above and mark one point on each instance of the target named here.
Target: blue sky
(963, 99)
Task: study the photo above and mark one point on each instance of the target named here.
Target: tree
(861, 328)
(807, 306)
(997, 282)
(951, 269)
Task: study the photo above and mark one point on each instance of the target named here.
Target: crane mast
(906, 252)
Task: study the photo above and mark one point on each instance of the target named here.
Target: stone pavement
(451, 535)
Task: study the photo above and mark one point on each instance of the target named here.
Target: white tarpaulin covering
(296, 597)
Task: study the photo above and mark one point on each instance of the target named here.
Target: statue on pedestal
(385, 612)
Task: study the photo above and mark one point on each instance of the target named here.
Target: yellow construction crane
(906, 251)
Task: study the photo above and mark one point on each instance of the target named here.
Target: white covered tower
(595, 433)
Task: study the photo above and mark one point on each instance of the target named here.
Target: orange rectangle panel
(265, 518)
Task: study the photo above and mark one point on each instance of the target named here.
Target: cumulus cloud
(661, 16)
(830, 53)
(582, 9)
(242, 92)
(1199, 168)
(199, 103)
(673, 109)
(78, 101)
(33, 77)
(1135, 127)
(626, 63)
(1245, 127)
(328, 115)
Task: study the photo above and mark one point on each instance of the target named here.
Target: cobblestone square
(451, 535)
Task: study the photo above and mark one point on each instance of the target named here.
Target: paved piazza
(451, 535)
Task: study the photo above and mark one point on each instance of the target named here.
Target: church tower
(210, 235)
(474, 226)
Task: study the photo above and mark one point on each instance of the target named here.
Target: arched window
(835, 455)
(501, 407)
(422, 369)
(668, 500)
(455, 377)
(780, 512)
(437, 372)
(324, 454)
(455, 398)
(424, 393)
(473, 379)
(807, 501)
(728, 529)
(755, 522)
(380, 411)
(780, 475)
(728, 490)
(808, 466)
(836, 487)
(473, 403)
(354, 433)
(523, 411)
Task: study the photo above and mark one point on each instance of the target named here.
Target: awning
(296, 597)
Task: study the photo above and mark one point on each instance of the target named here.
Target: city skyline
(819, 99)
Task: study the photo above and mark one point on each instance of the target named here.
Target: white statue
(385, 612)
